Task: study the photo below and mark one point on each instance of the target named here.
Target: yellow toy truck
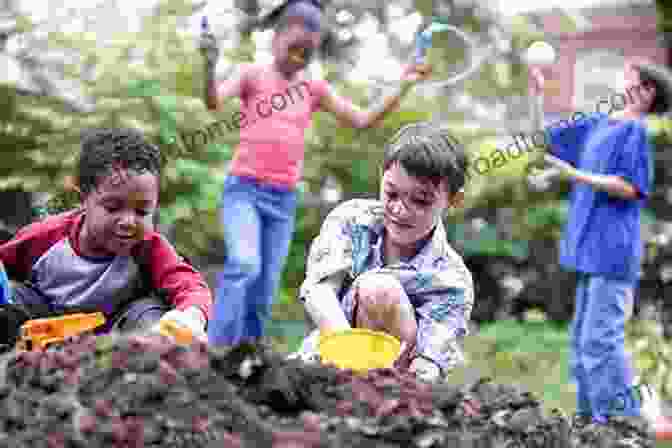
(39, 334)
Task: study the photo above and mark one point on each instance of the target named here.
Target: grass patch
(533, 355)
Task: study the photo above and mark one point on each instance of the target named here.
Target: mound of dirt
(141, 391)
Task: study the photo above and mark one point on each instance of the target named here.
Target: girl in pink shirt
(259, 198)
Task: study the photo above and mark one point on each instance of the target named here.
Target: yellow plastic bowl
(359, 349)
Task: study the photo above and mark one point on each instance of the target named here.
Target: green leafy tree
(151, 78)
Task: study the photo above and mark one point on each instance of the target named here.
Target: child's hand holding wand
(209, 48)
(207, 44)
(416, 73)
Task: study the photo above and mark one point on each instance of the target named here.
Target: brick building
(590, 60)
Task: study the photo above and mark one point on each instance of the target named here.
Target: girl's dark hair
(427, 151)
(661, 79)
(277, 18)
(104, 150)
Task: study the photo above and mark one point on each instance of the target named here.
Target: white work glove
(651, 407)
(425, 369)
(191, 319)
(308, 352)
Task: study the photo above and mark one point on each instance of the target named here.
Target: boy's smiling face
(118, 213)
(411, 205)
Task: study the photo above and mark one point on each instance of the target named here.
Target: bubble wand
(424, 40)
(205, 25)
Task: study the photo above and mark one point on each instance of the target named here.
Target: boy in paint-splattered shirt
(387, 265)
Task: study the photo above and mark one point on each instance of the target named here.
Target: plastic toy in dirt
(40, 334)
(359, 349)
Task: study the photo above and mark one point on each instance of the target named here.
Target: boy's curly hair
(107, 149)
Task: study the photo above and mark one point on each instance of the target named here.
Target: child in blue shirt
(5, 291)
(608, 159)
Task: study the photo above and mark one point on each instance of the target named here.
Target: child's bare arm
(353, 116)
(612, 184)
(217, 91)
(322, 304)
(231, 87)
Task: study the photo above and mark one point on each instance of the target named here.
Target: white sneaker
(651, 408)
(308, 352)
(651, 411)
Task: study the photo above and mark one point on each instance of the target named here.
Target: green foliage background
(162, 96)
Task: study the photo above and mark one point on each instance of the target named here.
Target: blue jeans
(602, 369)
(258, 221)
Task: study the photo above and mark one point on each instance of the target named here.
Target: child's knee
(141, 314)
(383, 295)
(385, 305)
(375, 290)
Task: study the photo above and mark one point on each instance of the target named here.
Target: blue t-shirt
(602, 235)
(5, 289)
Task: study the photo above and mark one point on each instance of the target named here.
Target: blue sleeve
(567, 138)
(634, 163)
(5, 288)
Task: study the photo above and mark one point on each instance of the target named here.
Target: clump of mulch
(144, 391)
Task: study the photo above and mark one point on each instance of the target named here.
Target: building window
(597, 73)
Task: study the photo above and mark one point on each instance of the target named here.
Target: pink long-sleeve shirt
(275, 115)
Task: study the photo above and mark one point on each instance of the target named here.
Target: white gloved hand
(425, 369)
(651, 408)
(191, 319)
(208, 46)
(308, 352)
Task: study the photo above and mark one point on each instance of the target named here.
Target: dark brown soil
(138, 391)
